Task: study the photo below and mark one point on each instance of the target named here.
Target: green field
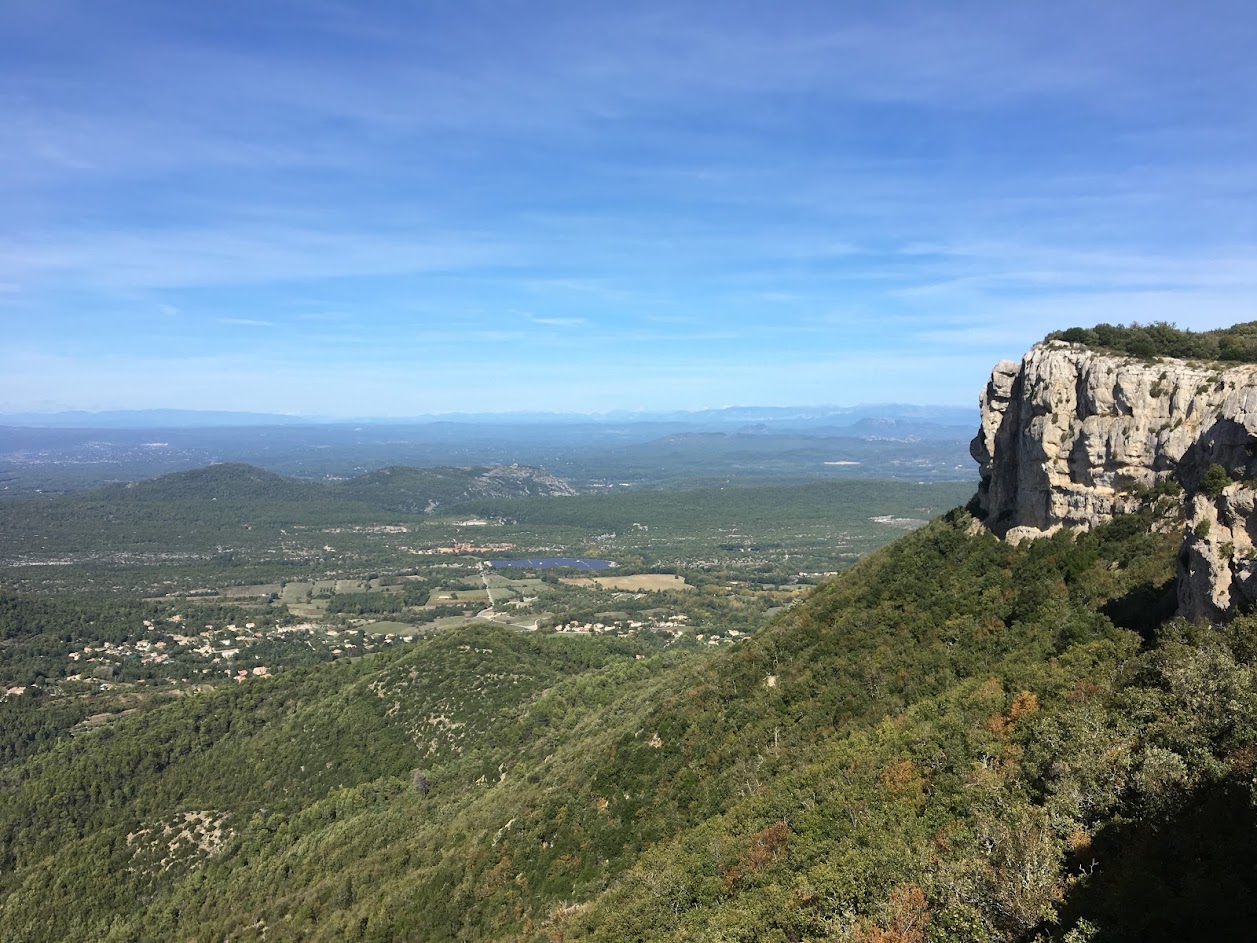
(383, 627)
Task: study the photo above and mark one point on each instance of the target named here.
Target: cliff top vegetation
(1237, 343)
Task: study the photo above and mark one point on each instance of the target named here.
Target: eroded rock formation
(1217, 566)
(1071, 436)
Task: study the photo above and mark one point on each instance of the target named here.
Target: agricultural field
(247, 533)
(324, 573)
(640, 582)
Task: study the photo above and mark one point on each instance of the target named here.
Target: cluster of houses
(461, 548)
(216, 651)
(676, 626)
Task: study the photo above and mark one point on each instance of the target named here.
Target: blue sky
(386, 208)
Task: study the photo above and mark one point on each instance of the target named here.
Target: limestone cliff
(1217, 567)
(1072, 436)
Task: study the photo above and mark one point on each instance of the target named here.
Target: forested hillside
(957, 739)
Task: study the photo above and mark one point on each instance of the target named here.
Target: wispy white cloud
(579, 71)
(139, 259)
(689, 189)
(245, 322)
(558, 322)
(255, 382)
(996, 267)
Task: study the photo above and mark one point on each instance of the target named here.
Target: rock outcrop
(1217, 566)
(512, 481)
(1071, 437)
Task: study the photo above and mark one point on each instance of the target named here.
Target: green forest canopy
(1237, 343)
(955, 740)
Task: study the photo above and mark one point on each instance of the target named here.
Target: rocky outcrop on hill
(512, 481)
(1071, 437)
(424, 490)
(1217, 567)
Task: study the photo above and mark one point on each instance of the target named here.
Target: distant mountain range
(890, 441)
(788, 416)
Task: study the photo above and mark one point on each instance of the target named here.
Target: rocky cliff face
(1071, 436)
(1217, 567)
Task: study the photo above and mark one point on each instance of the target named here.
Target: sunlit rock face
(1217, 566)
(1071, 436)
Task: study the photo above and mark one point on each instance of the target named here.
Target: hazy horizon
(336, 209)
(935, 412)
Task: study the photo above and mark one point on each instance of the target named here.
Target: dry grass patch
(639, 583)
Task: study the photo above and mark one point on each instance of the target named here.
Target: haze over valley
(744, 445)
